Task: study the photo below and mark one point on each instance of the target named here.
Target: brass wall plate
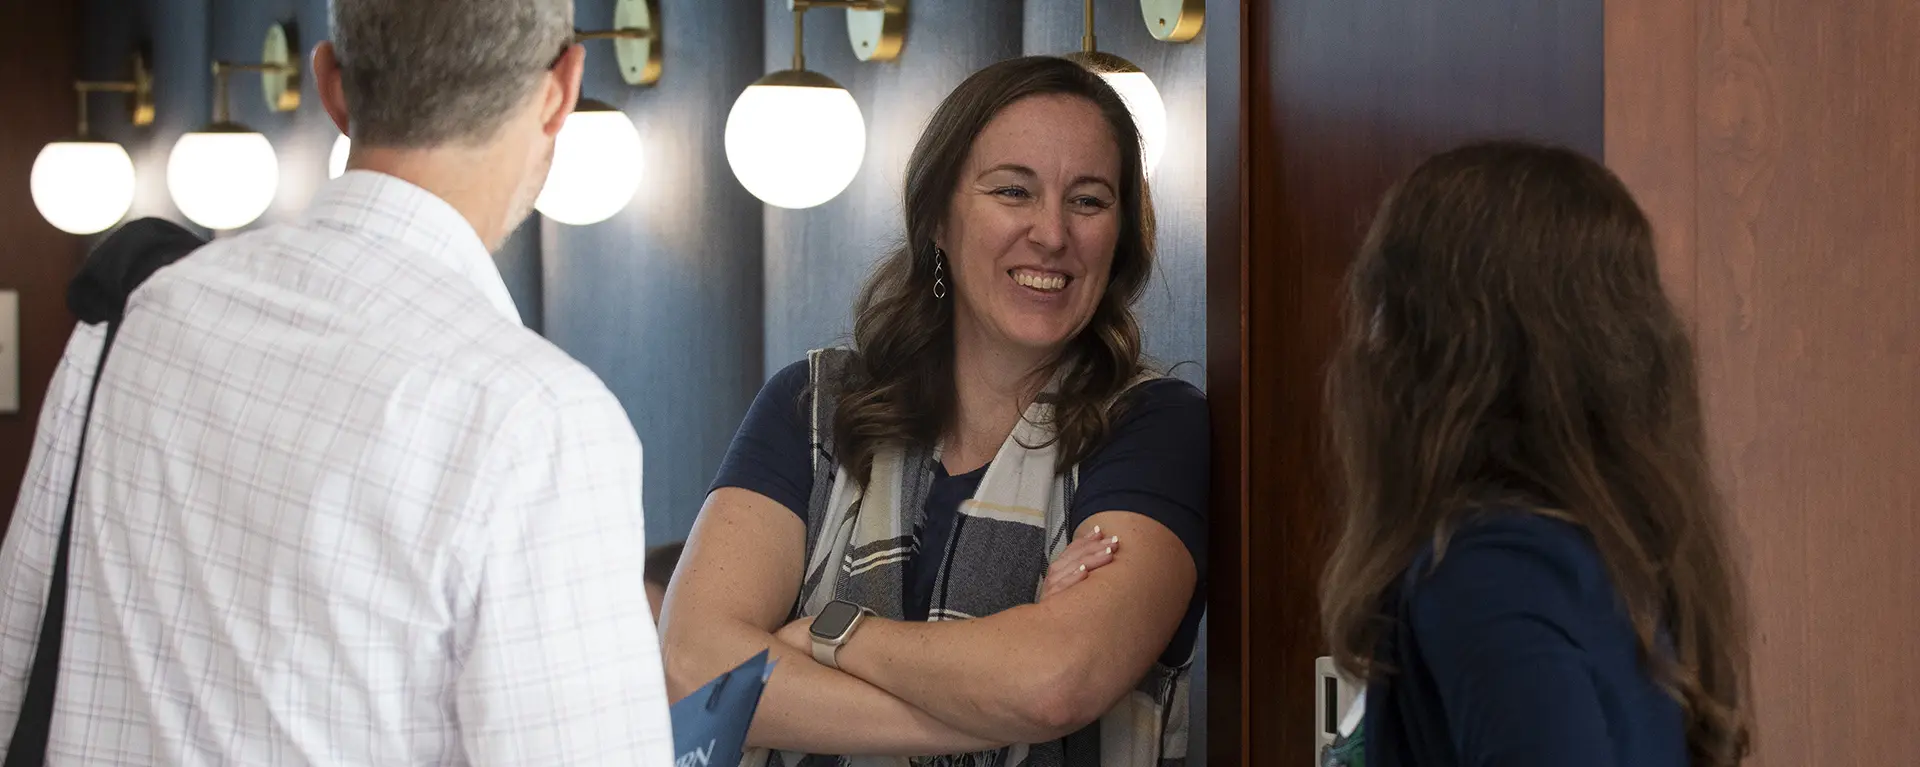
(140, 100)
(281, 87)
(1174, 21)
(878, 35)
(639, 59)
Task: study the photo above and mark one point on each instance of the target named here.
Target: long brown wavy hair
(1508, 342)
(901, 382)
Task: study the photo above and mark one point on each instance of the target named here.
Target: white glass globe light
(337, 159)
(1149, 112)
(795, 139)
(82, 187)
(596, 166)
(224, 176)
(1141, 97)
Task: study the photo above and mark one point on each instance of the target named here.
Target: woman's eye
(1011, 192)
(1091, 202)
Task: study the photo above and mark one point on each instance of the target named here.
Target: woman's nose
(1049, 228)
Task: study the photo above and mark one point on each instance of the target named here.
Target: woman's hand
(797, 635)
(1090, 552)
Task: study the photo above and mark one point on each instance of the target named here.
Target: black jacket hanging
(97, 295)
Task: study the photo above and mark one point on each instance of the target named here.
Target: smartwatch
(832, 628)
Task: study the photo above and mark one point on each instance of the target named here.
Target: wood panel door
(39, 60)
(1332, 99)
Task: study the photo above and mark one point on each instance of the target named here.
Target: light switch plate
(1333, 694)
(9, 351)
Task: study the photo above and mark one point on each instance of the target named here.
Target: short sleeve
(770, 453)
(1154, 464)
(1502, 625)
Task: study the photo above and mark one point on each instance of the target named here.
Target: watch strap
(826, 654)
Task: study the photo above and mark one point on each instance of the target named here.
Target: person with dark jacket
(1534, 567)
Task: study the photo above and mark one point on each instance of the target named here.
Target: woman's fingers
(1087, 544)
(1091, 552)
(1061, 580)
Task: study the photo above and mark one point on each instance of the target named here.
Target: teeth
(1040, 281)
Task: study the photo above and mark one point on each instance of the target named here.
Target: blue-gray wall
(663, 300)
(816, 259)
(1173, 308)
(688, 299)
(183, 38)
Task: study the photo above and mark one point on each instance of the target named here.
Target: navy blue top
(1515, 651)
(1154, 463)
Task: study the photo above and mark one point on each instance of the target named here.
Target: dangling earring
(939, 271)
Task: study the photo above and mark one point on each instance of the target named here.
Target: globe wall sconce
(795, 138)
(225, 175)
(84, 185)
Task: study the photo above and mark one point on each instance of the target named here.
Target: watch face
(834, 620)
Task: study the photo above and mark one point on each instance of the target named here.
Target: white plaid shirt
(339, 507)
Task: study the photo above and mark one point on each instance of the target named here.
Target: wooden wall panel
(39, 60)
(1342, 97)
(1776, 144)
(1805, 260)
(1652, 79)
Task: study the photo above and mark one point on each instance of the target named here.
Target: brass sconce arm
(851, 5)
(581, 35)
(1086, 39)
(800, 8)
(279, 75)
(85, 87)
(139, 92)
(636, 37)
(223, 69)
(1174, 21)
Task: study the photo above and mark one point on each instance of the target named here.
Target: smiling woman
(982, 527)
(1032, 228)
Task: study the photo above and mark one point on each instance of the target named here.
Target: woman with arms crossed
(979, 532)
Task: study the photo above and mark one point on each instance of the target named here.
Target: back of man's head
(420, 74)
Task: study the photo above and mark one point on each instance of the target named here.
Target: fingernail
(1083, 568)
(1109, 551)
(1096, 531)
(1116, 539)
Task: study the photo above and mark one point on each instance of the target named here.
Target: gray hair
(423, 73)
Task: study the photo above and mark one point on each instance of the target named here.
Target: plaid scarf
(860, 537)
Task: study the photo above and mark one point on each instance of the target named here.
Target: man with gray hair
(336, 504)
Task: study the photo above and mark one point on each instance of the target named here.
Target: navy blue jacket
(1515, 651)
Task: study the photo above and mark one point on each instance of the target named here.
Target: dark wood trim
(1228, 651)
(39, 60)
(1336, 98)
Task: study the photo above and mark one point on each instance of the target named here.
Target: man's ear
(333, 93)
(562, 92)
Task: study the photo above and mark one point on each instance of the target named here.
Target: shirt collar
(390, 208)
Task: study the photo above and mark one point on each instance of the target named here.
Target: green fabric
(1348, 750)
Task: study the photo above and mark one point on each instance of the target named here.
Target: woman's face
(1031, 229)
